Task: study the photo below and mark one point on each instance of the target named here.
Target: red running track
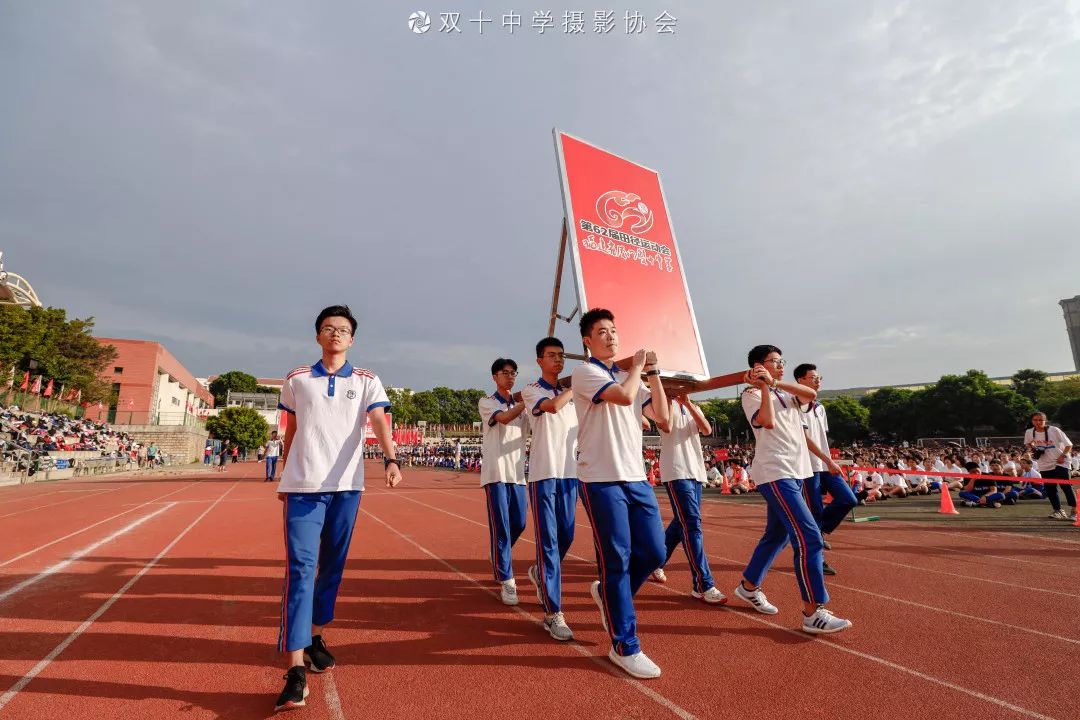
(158, 597)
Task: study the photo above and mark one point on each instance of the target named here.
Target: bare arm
(822, 455)
(805, 394)
(381, 427)
(290, 433)
(506, 416)
(703, 425)
(557, 403)
(659, 410)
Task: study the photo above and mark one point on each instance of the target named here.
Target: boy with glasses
(553, 482)
(502, 476)
(781, 463)
(327, 405)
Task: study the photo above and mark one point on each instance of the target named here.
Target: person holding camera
(1050, 448)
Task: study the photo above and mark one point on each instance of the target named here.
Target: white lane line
(333, 700)
(53, 569)
(90, 527)
(62, 502)
(44, 663)
(866, 656)
(601, 662)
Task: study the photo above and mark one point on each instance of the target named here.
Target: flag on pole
(36, 388)
(49, 389)
(25, 381)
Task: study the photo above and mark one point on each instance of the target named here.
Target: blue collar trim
(319, 370)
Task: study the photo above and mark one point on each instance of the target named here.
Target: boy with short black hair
(502, 475)
(552, 480)
(781, 462)
(622, 508)
(326, 405)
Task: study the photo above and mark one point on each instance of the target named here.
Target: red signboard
(624, 254)
(721, 454)
(835, 453)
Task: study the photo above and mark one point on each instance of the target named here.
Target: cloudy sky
(891, 189)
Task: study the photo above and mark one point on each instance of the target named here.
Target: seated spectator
(1030, 490)
(980, 493)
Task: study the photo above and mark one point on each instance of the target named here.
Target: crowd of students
(26, 436)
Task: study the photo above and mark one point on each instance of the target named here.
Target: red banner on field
(624, 254)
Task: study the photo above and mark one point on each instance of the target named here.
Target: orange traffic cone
(947, 507)
(725, 486)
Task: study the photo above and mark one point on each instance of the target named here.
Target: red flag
(37, 385)
(25, 381)
(49, 389)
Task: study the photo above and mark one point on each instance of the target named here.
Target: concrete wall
(184, 444)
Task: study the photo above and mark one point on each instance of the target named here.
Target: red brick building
(153, 388)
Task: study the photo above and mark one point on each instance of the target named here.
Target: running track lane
(891, 636)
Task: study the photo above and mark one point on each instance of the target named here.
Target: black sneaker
(295, 691)
(826, 568)
(317, 656)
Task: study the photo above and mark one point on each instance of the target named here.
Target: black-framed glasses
(509, 373)
(329, 330)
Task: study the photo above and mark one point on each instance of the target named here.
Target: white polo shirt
(1052, 441)
(781, 452)
(503, 446)
(817, 426)
(609, 435)
(331, 410)
(554, 435)
(273, 448)
(680, 449)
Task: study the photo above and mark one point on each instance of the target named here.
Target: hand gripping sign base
(625, 258)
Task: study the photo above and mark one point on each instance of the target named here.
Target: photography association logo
(615, 208)
(419, 22)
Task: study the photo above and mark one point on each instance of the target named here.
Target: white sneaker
(756, 599)
(711, 596)
(509, 592)
(659, 575)
(536, 581)
(1059, 515)
(823, 622)
(639, 665)
(557, 627)
(594, 590)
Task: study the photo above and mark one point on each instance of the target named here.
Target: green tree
(402, 406)
(1029, 383)
(1068, 416)
(727, 416)
(64, 350)
(848, 420)
(235, 380)
(240, 426)
(962, 405)
(1055, 394)
(892, 412)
